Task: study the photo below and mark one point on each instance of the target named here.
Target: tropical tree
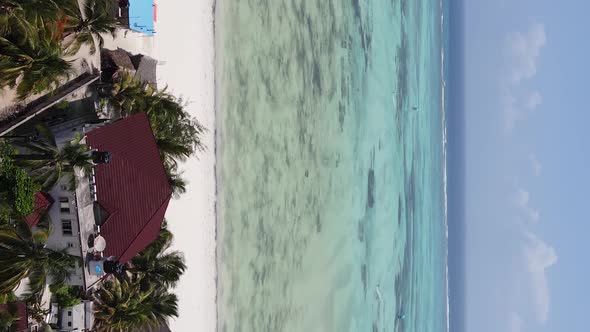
(33, 64)
(22, 16)
(157, 265)
(121, 305)
(23, 254)
(91, 22)
(47, 163)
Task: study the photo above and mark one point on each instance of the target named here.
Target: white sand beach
(184, 43)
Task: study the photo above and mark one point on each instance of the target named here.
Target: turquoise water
(331, 200)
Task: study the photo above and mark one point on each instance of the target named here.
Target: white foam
(444, 142)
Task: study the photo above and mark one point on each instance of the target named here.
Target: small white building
(77, 318)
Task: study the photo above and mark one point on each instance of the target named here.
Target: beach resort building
(116, 210)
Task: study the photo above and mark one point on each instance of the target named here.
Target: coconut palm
(156, 264)
(121, 305)
(23, 254)
(22, 16)
(34, 64)
(91, 22)
(47, 163)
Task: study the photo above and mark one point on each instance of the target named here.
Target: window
(70, 313)
(64, 205)
(66, 226)
(69, 324)
(63, 187)
(70, 245)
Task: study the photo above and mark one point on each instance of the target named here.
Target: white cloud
(522, 201)
(534, 99)
(524, 49)
(539, 257)
(536, 165)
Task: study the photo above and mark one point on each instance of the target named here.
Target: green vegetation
(17, 189)
(36, 35)
(84, 28)
(46, 163)
(157, 265)
(8, 298)
(33, 64)
(65, 296)
(23, 254)
(120, 305)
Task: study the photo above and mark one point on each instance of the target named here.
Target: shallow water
(330, 166)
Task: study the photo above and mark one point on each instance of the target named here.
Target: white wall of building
(65, 227)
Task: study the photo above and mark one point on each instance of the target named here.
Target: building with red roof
(41, 204)
(132, 189)
(118, 208)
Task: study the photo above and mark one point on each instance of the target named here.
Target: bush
(17, 189)
(66, 296)
(8, 298)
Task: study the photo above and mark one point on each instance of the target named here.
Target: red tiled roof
(20, 309)
(132, 188)
(42, 203)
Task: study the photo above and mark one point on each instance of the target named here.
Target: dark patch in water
(306, 173)
(364, 277)
(403, 7)
(316, 77)
(401, 60)
(361, 230)
(371, 189)
(341, 113)
(318, 223)
(399, 209)
(356, 7)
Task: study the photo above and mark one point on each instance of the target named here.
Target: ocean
(331, 165)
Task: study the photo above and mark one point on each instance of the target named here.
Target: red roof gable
(42, 203)
(19, 309)
(133, 187)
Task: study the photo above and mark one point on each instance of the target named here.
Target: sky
(526, 165)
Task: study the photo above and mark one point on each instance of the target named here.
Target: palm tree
(47, 163)
(22, 16)
(33, 64)
(156, 264)
(23, 254)
(93, 21)
(120, 305)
